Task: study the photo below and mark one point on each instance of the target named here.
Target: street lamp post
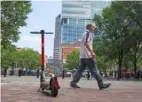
(42, 51)
(63, 71)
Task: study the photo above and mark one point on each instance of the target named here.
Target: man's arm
(87, 45)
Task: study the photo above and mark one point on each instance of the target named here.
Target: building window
(73, 12)
(72, 5)
(64, 21)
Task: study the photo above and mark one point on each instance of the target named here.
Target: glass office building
(76, 15)
(72, 29)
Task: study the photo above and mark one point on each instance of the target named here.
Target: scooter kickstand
(39, 89)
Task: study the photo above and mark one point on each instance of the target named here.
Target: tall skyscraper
(57, 43)
(57, 39)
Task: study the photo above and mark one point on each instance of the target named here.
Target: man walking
(87, 58)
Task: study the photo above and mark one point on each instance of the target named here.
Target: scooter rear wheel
(54, 91)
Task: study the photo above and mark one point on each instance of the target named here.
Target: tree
(6, 59)
(73, 60)
(13, 16)
(135, 54)
(33, 59)
(119, 25)
(134, 16)
(26, 58)
(132, 13)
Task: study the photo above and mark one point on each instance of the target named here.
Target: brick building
(68, 48)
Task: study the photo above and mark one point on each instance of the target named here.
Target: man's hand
(93, 54)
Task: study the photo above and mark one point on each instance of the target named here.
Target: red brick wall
(67, 51)
(69, 48)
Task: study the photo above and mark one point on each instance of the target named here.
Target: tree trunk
(135, 67)
(136, 47)
(135, 61)
(126, 66)
(119, 69)
(119, 64)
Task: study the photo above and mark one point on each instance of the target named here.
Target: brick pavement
(27, 92)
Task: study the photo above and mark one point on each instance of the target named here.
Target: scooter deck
(45, 85)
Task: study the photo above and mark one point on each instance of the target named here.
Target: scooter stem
(42, 78)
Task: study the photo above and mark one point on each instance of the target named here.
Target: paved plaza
(24, 89)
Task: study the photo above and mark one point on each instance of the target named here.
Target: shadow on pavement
(46, 93)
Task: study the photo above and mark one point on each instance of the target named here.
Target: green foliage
(13, 16)
(72, 60)
(22, 58)
(6, 56)
(119, 32)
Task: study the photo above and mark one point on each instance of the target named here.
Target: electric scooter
(51, 84)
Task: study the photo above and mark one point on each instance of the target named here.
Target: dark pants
(91, 64)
